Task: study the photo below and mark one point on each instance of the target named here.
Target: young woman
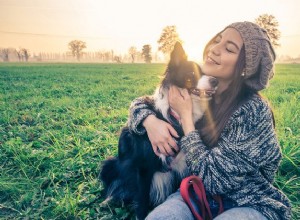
(234, 148)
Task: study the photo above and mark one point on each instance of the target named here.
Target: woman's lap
(238, 213)
(176, 209)
(173, 208)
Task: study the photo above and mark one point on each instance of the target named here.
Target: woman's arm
(161, 135)
(139, 110)
(247, 146)
(246, 143)
(142, 119)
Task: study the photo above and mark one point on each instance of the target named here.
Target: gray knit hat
(260, 54)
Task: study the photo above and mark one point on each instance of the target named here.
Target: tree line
(101, 56)
(168, 38)
(22, 54)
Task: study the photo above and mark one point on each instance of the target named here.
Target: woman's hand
(181, 102)
(161, 135)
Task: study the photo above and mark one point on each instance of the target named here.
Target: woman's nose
(215, 49)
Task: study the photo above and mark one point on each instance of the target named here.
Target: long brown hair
(214, 120)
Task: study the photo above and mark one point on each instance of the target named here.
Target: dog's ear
(177, 55)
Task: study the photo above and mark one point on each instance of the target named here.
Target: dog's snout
(213, 81)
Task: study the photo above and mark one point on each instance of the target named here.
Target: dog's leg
(143, 194)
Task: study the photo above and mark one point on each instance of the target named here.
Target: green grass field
(59, 121)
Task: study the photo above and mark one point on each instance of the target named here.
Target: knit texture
(243, 165)
(260, 55)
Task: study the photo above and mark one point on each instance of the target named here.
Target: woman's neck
(217, 99)
(222, 86)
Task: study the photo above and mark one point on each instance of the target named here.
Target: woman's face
(222, 55)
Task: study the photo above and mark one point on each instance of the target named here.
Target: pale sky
(48, 25)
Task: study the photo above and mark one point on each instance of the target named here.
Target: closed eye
(230, 51)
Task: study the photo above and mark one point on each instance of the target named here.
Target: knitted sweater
(242, 166)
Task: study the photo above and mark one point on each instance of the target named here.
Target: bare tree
(146, 52)
(270, 24)
(104, 55)
(132, 52)
(168, 39)
(117, 59)
(19, 54)
(25, 54)
(4, 53)
(112, 55)
(76, 47)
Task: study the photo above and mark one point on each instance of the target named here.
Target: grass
(59, 121)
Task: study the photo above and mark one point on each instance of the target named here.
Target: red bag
(195, 183)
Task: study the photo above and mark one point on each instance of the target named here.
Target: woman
(234, 148)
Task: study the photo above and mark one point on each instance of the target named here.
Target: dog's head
(187, 75)
(181, 72)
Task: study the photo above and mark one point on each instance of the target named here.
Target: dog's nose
(213, 81)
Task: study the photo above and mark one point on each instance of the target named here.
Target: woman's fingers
(171, 140)
(172, 131)
(161, 134)
(159, 150)
(163, 148)
(167, 147)
(174, 93)
(185, 94)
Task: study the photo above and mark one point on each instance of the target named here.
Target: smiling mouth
(210, 60)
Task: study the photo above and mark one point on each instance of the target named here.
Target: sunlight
(47, 26)
(194, 52)
(195, 36)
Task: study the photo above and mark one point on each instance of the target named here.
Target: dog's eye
(188, 83)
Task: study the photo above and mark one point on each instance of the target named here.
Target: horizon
(48, 26)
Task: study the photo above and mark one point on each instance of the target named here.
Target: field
(59, 121)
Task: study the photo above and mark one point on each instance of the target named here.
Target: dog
(137, 175)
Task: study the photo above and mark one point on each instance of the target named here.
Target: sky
(48, 25)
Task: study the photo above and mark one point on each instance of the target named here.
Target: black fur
(128, 177)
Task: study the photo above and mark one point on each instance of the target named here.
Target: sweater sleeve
(139, 110)
(247, 146)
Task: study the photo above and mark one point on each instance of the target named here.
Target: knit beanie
(259, 52)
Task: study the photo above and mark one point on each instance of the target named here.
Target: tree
(19, 54)
(76, 47)
(117, 59)
(4, 52)
(168, 39)
(132, 52)
(146, 53)
(270, 24)
(25, 53)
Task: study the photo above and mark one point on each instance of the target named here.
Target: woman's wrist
(187, 125)
(148, 120)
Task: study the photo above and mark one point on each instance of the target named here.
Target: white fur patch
(161, 99)
(161, 187)
(178, 165)
(163, 182)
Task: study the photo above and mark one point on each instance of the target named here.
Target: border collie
(137, 175)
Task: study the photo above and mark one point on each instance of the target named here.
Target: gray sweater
(242, 166)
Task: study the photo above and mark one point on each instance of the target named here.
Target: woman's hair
(214, 120)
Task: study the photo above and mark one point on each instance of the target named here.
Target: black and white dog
(137, 175)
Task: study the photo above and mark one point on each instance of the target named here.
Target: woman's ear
(243, 72)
